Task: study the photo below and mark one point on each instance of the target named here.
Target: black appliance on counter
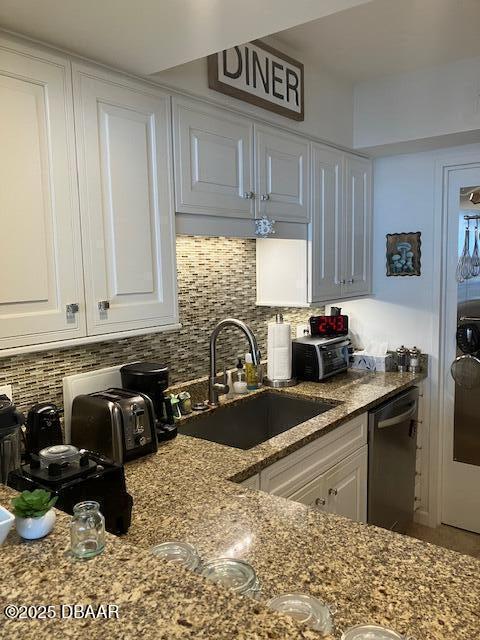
(11, 422)
(116, 423)
(151, 379)
(75, 475)
(42, 428)
(325, 352)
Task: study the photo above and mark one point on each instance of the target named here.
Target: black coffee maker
(151, 379)
(43, 427)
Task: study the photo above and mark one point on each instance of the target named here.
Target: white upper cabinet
(282, 175)
(335, 261)
(357, 226)
(126, 203)
(227, 167)
(40, 248)
(213, 161)
(326, 233)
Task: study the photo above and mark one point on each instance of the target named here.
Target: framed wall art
(404, 254)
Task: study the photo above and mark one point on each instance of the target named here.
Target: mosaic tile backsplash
(216, 279)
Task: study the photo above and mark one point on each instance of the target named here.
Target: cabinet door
(126, 202)
(325, 231)
(213, 161)
(282, 175)
(342, 489)
(358, 226)
(40, 249)
(345, 487)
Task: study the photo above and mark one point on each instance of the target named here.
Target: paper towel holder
(279, 384)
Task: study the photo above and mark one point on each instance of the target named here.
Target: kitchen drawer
(291, 473)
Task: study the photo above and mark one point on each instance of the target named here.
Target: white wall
(403, 309)
(403, 201)
(418, 105)
(328, 99)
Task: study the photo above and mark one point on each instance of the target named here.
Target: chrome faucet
(216, 389)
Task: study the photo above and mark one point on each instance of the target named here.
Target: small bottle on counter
(402, 359)
(414, 364)
(251, 373)
(240, 384)
(87, 530)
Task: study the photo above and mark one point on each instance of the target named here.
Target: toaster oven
(116, 423)
(315, 358)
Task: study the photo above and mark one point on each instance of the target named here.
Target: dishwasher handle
(402, 417)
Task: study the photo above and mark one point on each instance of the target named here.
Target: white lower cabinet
(330, 474)
(342, 489)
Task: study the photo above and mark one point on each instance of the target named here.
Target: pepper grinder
(402, 359)
(414, 364)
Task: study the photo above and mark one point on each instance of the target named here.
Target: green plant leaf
(33, 504)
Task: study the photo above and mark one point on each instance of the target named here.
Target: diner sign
(261, 75)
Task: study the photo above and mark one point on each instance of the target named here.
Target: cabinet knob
(351, 281)
(265, 196)
(249, 195)
(342, 282)
(320, 502)
(72, 308)
(103, 305)
(333, 492)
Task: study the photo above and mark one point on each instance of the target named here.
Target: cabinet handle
(249, 195)
(342, 282)
(72, 308)
(333, 492)
(265, 196)
(351, 281)
(103, 305)
(320, 502)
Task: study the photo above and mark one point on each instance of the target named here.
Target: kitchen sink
(254, 419)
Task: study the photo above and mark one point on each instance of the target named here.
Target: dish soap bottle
(240, 385)
(251, 373)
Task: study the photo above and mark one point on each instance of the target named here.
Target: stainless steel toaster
(116, 423)
(317, 359)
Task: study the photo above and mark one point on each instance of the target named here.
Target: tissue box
(366, 362)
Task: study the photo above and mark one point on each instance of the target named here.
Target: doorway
(461, 322)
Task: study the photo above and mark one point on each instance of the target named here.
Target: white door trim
(444, 165)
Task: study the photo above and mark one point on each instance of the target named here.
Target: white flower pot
(34, 528)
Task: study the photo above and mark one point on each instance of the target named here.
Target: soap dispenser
(240, 384)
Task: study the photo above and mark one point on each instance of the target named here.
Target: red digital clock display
(329, 325)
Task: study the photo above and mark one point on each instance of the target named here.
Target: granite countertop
(185, 492)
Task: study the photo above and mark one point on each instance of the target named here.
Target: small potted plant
(34, 515)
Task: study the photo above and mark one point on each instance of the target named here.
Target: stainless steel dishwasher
(392, 444)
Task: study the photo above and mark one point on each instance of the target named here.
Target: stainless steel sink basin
(254, 419)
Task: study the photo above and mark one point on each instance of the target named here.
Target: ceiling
(386, 37)
(147, 36)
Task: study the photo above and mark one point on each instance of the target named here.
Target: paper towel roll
(279, 351)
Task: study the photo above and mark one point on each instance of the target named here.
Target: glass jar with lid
(305, 609)
(370, 632)
(179, 552)
(87, 530)
(234, 574)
